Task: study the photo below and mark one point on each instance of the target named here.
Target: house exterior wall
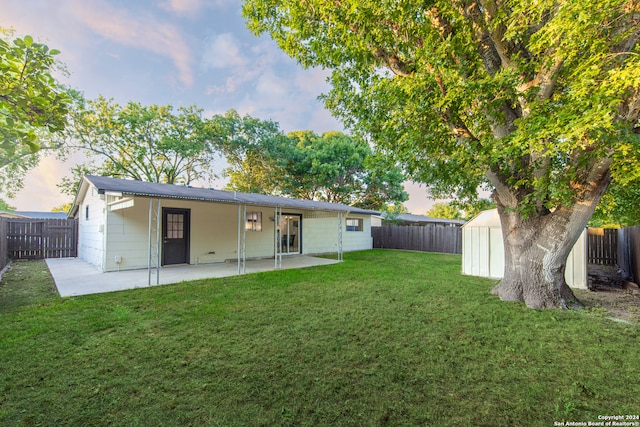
(214, 233)
(127, 236)
(320, 234)
(91, 228)
(357, 240)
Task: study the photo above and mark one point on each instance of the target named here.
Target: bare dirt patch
(610, 292)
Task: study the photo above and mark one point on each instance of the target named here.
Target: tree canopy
(457, 210)
(149, 143)
(332, 167)
(251, 147)
(445, 210)
(32, 105)
(538, 100)
(619, 206)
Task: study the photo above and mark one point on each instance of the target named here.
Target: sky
(178, 52)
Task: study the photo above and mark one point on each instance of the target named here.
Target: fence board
(629, 252)
(4, 258)
(41, 238)
(418, 238)
(602, 246)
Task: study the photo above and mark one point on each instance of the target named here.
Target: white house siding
(91, 229)
(213, 233)
(119, 239)
(320, 233)
(127, 236)
(357, 240)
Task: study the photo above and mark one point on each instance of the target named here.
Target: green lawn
(384, 338)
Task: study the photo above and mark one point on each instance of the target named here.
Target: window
(175, 226)
(86, 212)
(254, 221)
(354, 224)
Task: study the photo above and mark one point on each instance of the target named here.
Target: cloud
(312, 80)
(242, 64)
(223, 51)
(191, 8)
(140, 31)
(40, 192)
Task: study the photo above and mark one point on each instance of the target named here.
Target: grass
(26, 284)
(384, 338)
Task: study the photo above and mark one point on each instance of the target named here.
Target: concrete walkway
(74, 276)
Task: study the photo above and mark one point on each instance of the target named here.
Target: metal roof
(39, 215)
(422, 218)
(152, 189)
(488, 218)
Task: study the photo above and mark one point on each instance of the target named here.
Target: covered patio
(73, 276)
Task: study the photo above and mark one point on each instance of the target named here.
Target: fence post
(4, 258)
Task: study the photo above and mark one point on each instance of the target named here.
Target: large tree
(332, 167)
(252, 148)
(149, 143)
(32, 106)
(338, 168)
(541, 100)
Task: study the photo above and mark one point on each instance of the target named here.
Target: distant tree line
(179, 146)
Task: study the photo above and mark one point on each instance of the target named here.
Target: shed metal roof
(488, 218)
(152, 189)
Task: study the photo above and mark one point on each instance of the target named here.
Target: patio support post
(242, 239)
(158, 240)
(155, 231)
(277, 241)
(339, 236)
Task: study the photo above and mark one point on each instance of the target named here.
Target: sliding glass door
(290, 234)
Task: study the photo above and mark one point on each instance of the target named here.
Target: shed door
(175, 236)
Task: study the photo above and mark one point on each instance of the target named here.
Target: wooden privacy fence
(41, 238)
(602, 246)
(418, 238)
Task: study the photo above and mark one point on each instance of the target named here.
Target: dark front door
(175, 236)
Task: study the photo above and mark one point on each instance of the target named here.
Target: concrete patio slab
(74, 276)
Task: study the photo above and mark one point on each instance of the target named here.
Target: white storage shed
(483, 251)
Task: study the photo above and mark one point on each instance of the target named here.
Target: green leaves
(526, 96)
(333, 167)
(149, 143)
(30, 100)
(33, 107)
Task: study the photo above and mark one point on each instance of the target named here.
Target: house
(483, 251)
(127, 224)
(410, 219)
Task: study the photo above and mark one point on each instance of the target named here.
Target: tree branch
(395, 64)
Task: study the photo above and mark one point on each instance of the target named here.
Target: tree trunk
(536, 250)
(536, 247)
